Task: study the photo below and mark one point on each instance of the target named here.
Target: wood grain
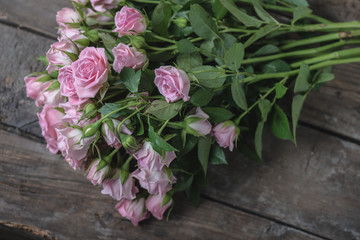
(41, 189)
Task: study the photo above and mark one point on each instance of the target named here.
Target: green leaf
(262, 32)
(182, 184)
(209, 76)
(83, 42)
(217, 155)
(188, 61)
(43, 59)
(219, 10)
(164, 110)
(202, 97)
(110, 107)
(297, 104)
(185, 46)
(160, 18)
(259, 138)
(108, 40)
(159, 144)
(218, 114)
(238, 94)
(324, 77)
(141, 128)
(204, 146)
(130, 79)
(260, 11)
(276, 66)
(298, 2)
(147, 81)
(280, 90)
(247, 20)
(265, 108)
(193, 194)
(279, 124)
(234, 56)
(202, 23)
(299, 13)
(266, 50)
(55, 85)
(302, 81)
(93, 35)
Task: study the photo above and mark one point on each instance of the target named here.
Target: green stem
(162, 38)
(300, 53)
(163, 126)
(119, 109)
(173, 47)
(324, 38)
(147, 1)
(334, 55)
(329, 26)
(128, 117)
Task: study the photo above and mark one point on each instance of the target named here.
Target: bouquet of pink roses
(142, 95)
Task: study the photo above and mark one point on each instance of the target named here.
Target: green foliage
(164, 110)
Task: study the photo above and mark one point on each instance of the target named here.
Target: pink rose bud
(83, 2)
(67, 15)
(112, 137)
(156, 182)
(225, 134)
(151, 160)
(66, 80)
(173, 83)
(90, 71)
(197, 123)
(126, 56)
(129, 21)
(118, 191)
(104, 5)
(158, 204)
(134, 210)
(49, 119)
(34, 88)
(50, 97)
(72, 35)
(96, 176)
(72, 145)
(57, 56)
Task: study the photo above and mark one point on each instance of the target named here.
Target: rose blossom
(52, 97)
(198, 122)
(49, 118)
(148, 158)
(66, 79)
(97, 176)
(129, 21)
(154, 205)
(71, 35)
(57, 56)
(126, 56)
(156, 182)
(104, 5)
(67, 15)
(134, 210)
(225, 134)
(173, 83)
(112, 138)
(73, 114)
(83, 2)
(117, 190)
(72, 146)
(90, 71)
(35, 88)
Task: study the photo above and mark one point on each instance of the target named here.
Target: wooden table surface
(311, 191)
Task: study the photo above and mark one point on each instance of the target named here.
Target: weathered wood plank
(314, 186)
(40, 189)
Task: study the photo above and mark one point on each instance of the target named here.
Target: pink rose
(67, 15)
(49, 118)
(57, 56)
(71, 35)
(126, 56)
(154, 205)
(73, 115)
(156, 182)
(173, 83)
(112, 138)
(35, 88)
(98, 17)
(97, 176)
(72, 146)
(118, 191)
(129, 21)
(66, 79)
(134, 210)
(104, 5)
(83, 2)
(90, 72)
(151, 160)
(225, 134)
(52, 97)
(198, 123)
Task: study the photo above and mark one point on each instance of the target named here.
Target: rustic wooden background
(308, 192)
